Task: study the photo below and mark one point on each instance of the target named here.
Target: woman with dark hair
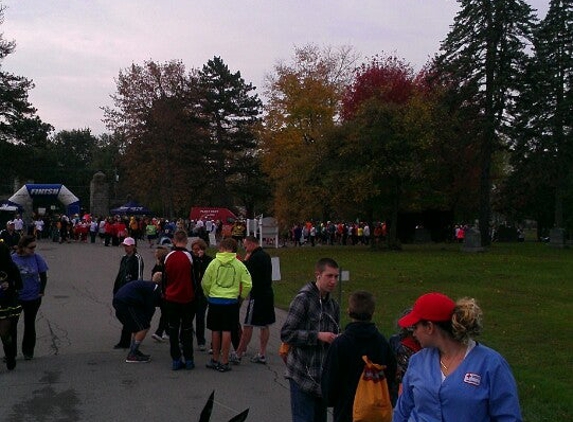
(10, 283)
(33, 270)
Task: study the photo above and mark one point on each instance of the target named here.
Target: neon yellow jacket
(226, 278)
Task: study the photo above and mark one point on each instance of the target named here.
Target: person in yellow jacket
(225, 282)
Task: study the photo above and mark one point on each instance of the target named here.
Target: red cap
(434, 307)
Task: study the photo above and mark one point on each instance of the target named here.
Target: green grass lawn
(525, 291)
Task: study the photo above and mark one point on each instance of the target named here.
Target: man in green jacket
(226, 280)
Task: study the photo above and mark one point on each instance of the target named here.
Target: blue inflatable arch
(56, 191)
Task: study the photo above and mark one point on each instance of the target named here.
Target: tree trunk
(393, 242)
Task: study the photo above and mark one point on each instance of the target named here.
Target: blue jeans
(305, 407)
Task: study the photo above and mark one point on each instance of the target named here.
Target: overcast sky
(74, 49)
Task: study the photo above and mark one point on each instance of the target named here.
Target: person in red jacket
(180, 301)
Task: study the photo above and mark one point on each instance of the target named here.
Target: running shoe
(134, 358)
(234, 358)
(140, 354)
(224, 367)
(258, 358)
(212, 364)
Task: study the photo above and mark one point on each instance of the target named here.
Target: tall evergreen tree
(545, 137)
(232, 111)
(483, 56)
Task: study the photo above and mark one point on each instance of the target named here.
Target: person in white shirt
(38, 228)
(19, 225)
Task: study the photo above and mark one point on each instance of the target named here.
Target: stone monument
(557, 237)
(472, 241)
(99, 195)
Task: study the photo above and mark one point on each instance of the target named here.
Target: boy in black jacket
(344, 363)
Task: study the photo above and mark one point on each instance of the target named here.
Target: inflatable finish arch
(56, 191)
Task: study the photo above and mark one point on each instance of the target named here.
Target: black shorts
(260, 313)
(132, 318)
(223, 317)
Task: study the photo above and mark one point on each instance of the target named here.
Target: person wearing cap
(9, 236)
(454, 378)
(130, 268)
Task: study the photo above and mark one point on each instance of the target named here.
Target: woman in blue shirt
(454, 378)
(33, 270)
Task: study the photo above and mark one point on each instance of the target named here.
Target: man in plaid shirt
(311, 325)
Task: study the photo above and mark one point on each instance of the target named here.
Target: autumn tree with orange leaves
(303, 107)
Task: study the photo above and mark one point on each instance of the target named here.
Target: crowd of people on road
(336, 233)
(434, 367)
(112, 230)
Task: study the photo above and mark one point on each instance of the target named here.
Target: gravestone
(557, 237)
(472, 241)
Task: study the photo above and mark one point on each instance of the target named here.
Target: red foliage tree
(386, 79)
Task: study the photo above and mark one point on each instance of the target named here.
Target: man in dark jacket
(134, 305)
(260, 304)
(344, 364)
(130, 269)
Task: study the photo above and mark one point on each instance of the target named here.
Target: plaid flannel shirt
(308, 315)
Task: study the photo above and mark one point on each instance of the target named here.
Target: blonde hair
(467, 320)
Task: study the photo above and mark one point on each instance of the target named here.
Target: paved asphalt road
(77, 376)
